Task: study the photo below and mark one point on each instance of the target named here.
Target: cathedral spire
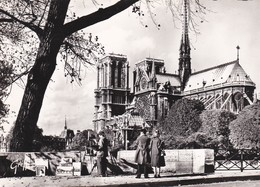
(65, 126)
(185, 26)
(184, 59)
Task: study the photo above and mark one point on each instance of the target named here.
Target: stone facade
(112, 92)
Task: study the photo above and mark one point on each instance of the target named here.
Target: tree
(37, 138)
(215, 127)
(81, 140)
(40, 30)
(245, 130)
(182, 121)
(6, 72)
(212, 133)
(183, 118)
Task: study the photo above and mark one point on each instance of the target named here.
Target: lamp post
(126, 124)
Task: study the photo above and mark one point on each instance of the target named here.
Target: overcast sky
(231, 23)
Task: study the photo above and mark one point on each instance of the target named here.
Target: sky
(228, 24)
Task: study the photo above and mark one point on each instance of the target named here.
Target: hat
(101, 133)
(143, 130)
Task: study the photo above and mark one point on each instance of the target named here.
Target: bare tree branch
(44, 10)
(6, 20)
(31, 26)
(98, 16)
(17, 77)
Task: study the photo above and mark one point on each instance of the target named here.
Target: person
(141, 154)
(102, 153)
(157, 154)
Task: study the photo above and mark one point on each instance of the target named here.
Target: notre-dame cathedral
(226, 86)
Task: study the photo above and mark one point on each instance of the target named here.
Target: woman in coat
(157, 157)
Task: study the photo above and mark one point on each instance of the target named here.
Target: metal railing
(237, 159)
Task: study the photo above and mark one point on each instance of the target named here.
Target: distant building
(67, 135)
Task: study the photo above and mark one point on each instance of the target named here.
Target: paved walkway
(130, 180)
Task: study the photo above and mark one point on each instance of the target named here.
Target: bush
(215, 126)
(80, 141)
(245, 130)
(182, 121)
(183, 118)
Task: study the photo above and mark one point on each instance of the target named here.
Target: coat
(102, 150)
(142, 152)
(156, 147)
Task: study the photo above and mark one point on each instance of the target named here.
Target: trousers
(102, 166)
(142, 168)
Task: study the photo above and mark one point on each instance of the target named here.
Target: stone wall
(188, 161)
(182, 161)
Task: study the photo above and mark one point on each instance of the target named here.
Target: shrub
(183, 118)
(215, 126)
(245, 130)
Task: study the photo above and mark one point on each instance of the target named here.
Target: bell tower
(184, 59)
(112, 92)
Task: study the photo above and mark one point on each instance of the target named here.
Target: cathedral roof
(225, 74)
(173, 79)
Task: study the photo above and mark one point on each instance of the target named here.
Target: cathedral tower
(112, 90)
(184, 59)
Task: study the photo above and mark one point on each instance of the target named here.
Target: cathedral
(226, 86)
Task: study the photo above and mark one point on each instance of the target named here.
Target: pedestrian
(102, 153)
(141, 154)
(157, 153)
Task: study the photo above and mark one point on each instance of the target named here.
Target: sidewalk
(130, 180)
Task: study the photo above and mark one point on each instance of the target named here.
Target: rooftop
(230, 72)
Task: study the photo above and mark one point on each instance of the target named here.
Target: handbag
(163, 153)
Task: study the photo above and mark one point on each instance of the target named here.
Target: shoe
(138, 177)
(158, 176)
(146, 177)
(155, 176)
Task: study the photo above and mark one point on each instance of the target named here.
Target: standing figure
(157, 154)
(102, 153)
(141, 154)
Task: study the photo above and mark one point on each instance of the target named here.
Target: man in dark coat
(141, 154)
(102, 153)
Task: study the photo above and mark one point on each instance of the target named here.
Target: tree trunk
(39, 77)
(26, 122)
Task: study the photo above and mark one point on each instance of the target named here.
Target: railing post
(241, 160)
(215, 160)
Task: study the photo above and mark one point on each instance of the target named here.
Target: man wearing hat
(141, 154)
(102, 153)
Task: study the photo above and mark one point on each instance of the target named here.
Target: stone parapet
(181, 161)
